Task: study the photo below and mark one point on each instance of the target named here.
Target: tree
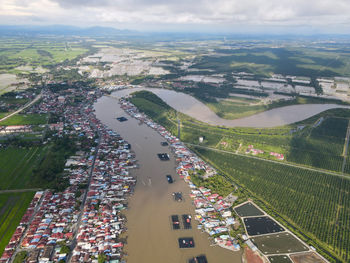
(65, 249)
(20, 257)
(101, 258)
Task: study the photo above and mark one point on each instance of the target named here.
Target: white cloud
(153, 14)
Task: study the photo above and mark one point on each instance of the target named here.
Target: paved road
(272, 161)
(20, 190)
(22, 108)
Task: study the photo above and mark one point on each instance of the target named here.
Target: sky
(250, 16)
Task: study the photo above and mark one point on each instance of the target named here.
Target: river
(194, 108)
(150, 235)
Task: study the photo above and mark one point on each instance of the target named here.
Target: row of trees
(49, 172)
(314, 203)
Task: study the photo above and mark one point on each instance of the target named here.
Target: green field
(233, 109)
(25, 119)
(12, 100)
(319, 146)
(306, 147)
(25, 55)
(236, 107)
(309, 61)
(16, 165)
(12, 208)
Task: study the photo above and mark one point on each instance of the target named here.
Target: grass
(13, 206)
(16, 165)
(241, 107)
(232, 110)
(25, 119)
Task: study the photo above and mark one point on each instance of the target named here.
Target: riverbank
(150, 234)
(194, 108)
(209, 205)
(83, 221)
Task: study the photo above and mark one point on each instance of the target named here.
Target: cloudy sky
(281, 16)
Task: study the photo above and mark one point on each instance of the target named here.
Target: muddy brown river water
(276, 117)
(150, 235)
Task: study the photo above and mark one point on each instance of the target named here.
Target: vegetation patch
(312, 204)
(17, 164)
(36, 52)
(49, 172)
(294, 61)
(12, 208)
(25, 119)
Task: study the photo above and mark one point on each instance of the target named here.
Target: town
(83, 221)
(150, 149)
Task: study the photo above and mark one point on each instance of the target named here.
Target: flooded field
(123, 61)
(276, 117)
(6, 80)
(151, 237)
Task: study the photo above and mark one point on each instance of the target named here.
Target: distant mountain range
(101, 31)
(8, 30)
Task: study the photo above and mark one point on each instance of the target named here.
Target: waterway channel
(276, 117)
(150, 235)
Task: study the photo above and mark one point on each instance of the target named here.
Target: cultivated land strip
(20, 190)
(24, 163)
(271, 161)
(346, 147)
